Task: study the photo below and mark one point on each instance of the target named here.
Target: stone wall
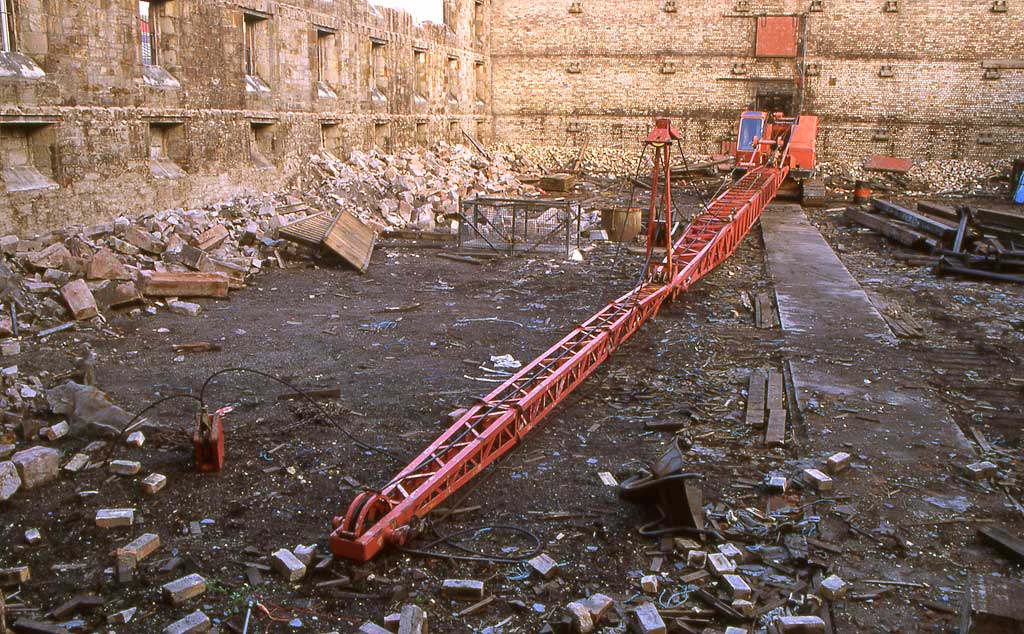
(918, 78)
(107, 134)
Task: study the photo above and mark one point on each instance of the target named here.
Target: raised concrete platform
(816, 294)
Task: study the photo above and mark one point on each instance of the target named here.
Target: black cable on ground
(141, 413)
(323, 412)
(474, 554)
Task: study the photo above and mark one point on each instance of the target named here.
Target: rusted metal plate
(879, 163)
(776, 36)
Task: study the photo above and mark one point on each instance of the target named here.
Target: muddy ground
(290, 469)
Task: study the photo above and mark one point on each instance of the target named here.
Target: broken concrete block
(14, 576)
(304, 554)
(372, 628)
(195, 623)
(288, 565)
(140, 548)
(744, 607)
(647, 620)
(33, 537)
(212, 238)
(10, 481)
(142, 240)
(582, 621)
(544, 565)
(124, 467)
(776, 484)
(981, 470)
(731, 551)
(413, 621)
(115, 518)
(153, 483)
(180, 590)
(79, 300)
(37, 466)
(135, 439)
(76, 463)
(52, 257)
(463, 589)
(817, 479)
(833, 588)
(800, 625)
(837, 463)
(738, 588)
(10, 348)
(649, 584)
(184, 308)
(56, 432)
(720, 565)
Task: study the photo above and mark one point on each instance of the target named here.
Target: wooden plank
(891, 229)
(776, 394)
(309, 231)
(775, 434)
(1004, 541)
(939, 210)
(162, 284)
(352, 241)
(938, 228)
(1005, 218)
(756, 399)
(992, 606)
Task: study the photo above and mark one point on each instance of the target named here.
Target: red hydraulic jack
(208, 440)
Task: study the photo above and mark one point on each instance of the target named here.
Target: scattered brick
(10, 481)
(816, 478)
(142, 547)
(463, 589)
(56, 432)
(837, 463)
(738, 588)
(76, 463)
(982, 470)
(696, 559)
(720, 565)
(33, 536)
(79, 299)
(649, 584)
(582, 621)
(544, 565)
(599, 605)
(188, 309)
(153, 483)
(14, 576)
(833, 588)
(288, 565)
(125, 467)
(195, 623)
(304, 554)
(373, 628)
(800, 625)
(115, 518)
(181, 590)
(414, 620)
(136, 439)
(648, 621)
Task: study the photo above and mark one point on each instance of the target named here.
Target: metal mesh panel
(510, 225)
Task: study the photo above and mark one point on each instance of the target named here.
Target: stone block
(188, 309)
(696, 559)
(181, 590)
(837, 463)
(821, 482)
(76, 463)
(649, 584)
(599, 605)
(56, 432)
(720, 565)
(135, 439)
(833, 588)
(800, 625)
(647, 620)
(124, 467)
(544, 565)
(304, 554)
(413, 621)
(33, 537)
(981, 470)
(288, 565)
(372, 628)
(10, 481)
(105, 265)
(737, 587)
(582, 621)
(37, 466)
(14, 576)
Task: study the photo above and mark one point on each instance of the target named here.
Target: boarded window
(776, 37)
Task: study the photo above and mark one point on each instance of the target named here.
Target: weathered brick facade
(88, 131)
(919, 78)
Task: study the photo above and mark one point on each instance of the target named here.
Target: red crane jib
(376, 520)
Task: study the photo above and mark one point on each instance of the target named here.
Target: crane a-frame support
(489, 429)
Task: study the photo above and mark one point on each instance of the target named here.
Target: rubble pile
(947, 177)
(593, 160)
(416, 188)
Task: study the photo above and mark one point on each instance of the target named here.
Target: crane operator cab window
(750, 128)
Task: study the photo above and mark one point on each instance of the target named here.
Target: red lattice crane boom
(492, 427)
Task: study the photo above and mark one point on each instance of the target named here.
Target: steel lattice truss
(496, 424)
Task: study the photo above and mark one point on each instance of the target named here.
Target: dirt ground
(290, 470)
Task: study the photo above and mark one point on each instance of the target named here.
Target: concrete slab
(816, 294)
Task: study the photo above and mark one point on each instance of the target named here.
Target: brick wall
(96, 105)
(608, 68)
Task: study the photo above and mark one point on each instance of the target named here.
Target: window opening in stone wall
(422, 133)
(8, 36)
(481, 82)
(261, 144)
(326, 64)
(330, 137)
(166, 149)
(421, 92)
(378, 71)
(149, 31)
(256, 43)
(452, 79)
(152, 43)
(479, 22)
(454, 132)
(382, 136)
(25, 162)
